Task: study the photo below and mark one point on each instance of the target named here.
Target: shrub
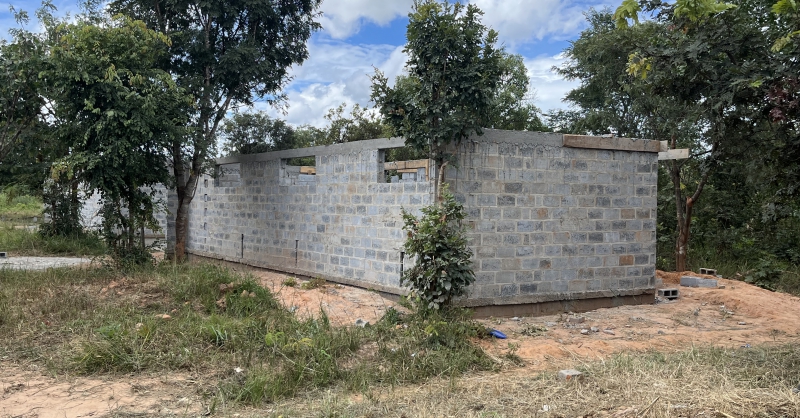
(437, 240)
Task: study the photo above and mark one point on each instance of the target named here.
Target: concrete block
(570, 375)
(711, 272)
(670, 293)
(691, 281)
(3, 254)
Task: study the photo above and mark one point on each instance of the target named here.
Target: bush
(437, 240)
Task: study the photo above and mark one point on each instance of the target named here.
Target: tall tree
(454, 70)
(20, 103)
(251, 133)
(225, 54)
(120, 115)
(512, 107)
(361, 124)
(706, 60)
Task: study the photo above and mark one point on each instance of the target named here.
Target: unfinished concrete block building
(556, 222)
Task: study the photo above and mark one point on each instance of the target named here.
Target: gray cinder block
(691, 281)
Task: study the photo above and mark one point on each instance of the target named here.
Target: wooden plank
(402, 165)
(664, 146)
(305, 169)
(618, 144)
(407, 170)
(674, 154)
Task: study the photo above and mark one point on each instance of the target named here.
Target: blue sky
(361, 34)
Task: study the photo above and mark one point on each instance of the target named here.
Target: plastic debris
(497, 334)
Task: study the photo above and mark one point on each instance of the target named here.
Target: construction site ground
(736, 316)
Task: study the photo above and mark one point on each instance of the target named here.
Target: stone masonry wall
(546, 222)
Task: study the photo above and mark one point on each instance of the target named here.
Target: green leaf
(629, 9)
(785, 7)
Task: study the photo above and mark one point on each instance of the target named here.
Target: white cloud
(550, 87)
(337, 72)
(521, 21)
(342, 18)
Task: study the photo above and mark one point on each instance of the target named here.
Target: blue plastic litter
(497, 334)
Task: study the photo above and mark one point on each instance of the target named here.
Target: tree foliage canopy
(454, 70)
(224, 54)
(118, 114)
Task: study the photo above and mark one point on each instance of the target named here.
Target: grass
(19, 207)
(697, 382)
(314, 283)
(101, 321)
(17, 214)
(24, 242)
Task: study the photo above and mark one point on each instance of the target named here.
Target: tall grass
(20, 241)
(221, 324)
(19, 207)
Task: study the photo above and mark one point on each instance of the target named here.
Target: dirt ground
(737, 315)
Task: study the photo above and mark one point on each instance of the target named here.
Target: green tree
(512, 107)
(438, 241)
(225, 54)
(119, 114)
(360, 125)
(607, 98)
(705, 60)
(29, 142)
(688, 76)
(20, 103)
(454, 70)
(782, 151)
(251, 133)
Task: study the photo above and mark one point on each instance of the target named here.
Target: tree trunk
(683, 209)
(181, 230)
(682, 242)
(437, 188)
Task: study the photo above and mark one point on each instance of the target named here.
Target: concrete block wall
(92, 204)
(546, 222)
(343, 223)
(551, 223)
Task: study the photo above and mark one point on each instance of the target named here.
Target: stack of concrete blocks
(546, 222)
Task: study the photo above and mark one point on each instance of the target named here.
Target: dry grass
(700, 382)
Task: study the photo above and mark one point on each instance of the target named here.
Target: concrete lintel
(356, 146)
(617, 144)
(517, 137)
(674, 154)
